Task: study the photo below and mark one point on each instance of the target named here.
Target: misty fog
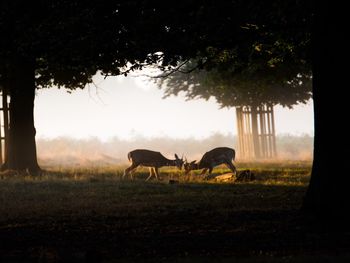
(64, 151)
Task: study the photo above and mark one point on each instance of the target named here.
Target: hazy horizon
(128, 107)
(65, 151)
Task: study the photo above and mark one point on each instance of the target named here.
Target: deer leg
(128, 170)
(157, 174)
(232, 167)
(209, 173)
(132, 172)
(204, 171)
(151, 173)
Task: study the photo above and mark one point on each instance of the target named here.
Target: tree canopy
(253, 85)
(69, 41)
(269, 62)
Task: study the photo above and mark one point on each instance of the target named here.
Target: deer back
(147, 158)
(216, 157)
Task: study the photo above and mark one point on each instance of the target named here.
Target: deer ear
(177, 157)
(193, 162)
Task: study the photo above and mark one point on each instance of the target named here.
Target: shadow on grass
(108, 220)
(250, 236)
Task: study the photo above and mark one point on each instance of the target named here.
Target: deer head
(190, 166)
(178, 162)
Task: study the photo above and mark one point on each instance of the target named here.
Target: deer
(153, 160)
(215, 157)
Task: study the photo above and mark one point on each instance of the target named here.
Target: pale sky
(129, 106)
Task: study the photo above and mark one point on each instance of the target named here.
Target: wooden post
(274, 150)
(271, 138)
(4, 122)
(240, 133)
(263, 134)
(256, 132)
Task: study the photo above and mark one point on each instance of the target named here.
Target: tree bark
(21, 152)
(327, 194)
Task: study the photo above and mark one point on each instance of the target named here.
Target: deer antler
(182, 156)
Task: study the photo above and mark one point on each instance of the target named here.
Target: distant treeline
(64, 151)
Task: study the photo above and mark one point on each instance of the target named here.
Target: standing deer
(151, 159)
(215, 157)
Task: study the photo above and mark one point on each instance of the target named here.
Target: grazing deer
(215, 157)
(151, 159)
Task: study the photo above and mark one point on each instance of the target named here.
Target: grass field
(91, 215)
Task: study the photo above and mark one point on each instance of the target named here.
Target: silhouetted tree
(327, 192)
(65, 43)
(262, 56)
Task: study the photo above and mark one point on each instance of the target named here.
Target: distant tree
(233, 86)
(265, 60)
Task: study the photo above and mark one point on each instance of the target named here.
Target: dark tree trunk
(327, 194)
(21, 152)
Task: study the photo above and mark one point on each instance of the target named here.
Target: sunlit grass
(266, 173)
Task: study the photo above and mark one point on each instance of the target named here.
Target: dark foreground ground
(103, 219)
